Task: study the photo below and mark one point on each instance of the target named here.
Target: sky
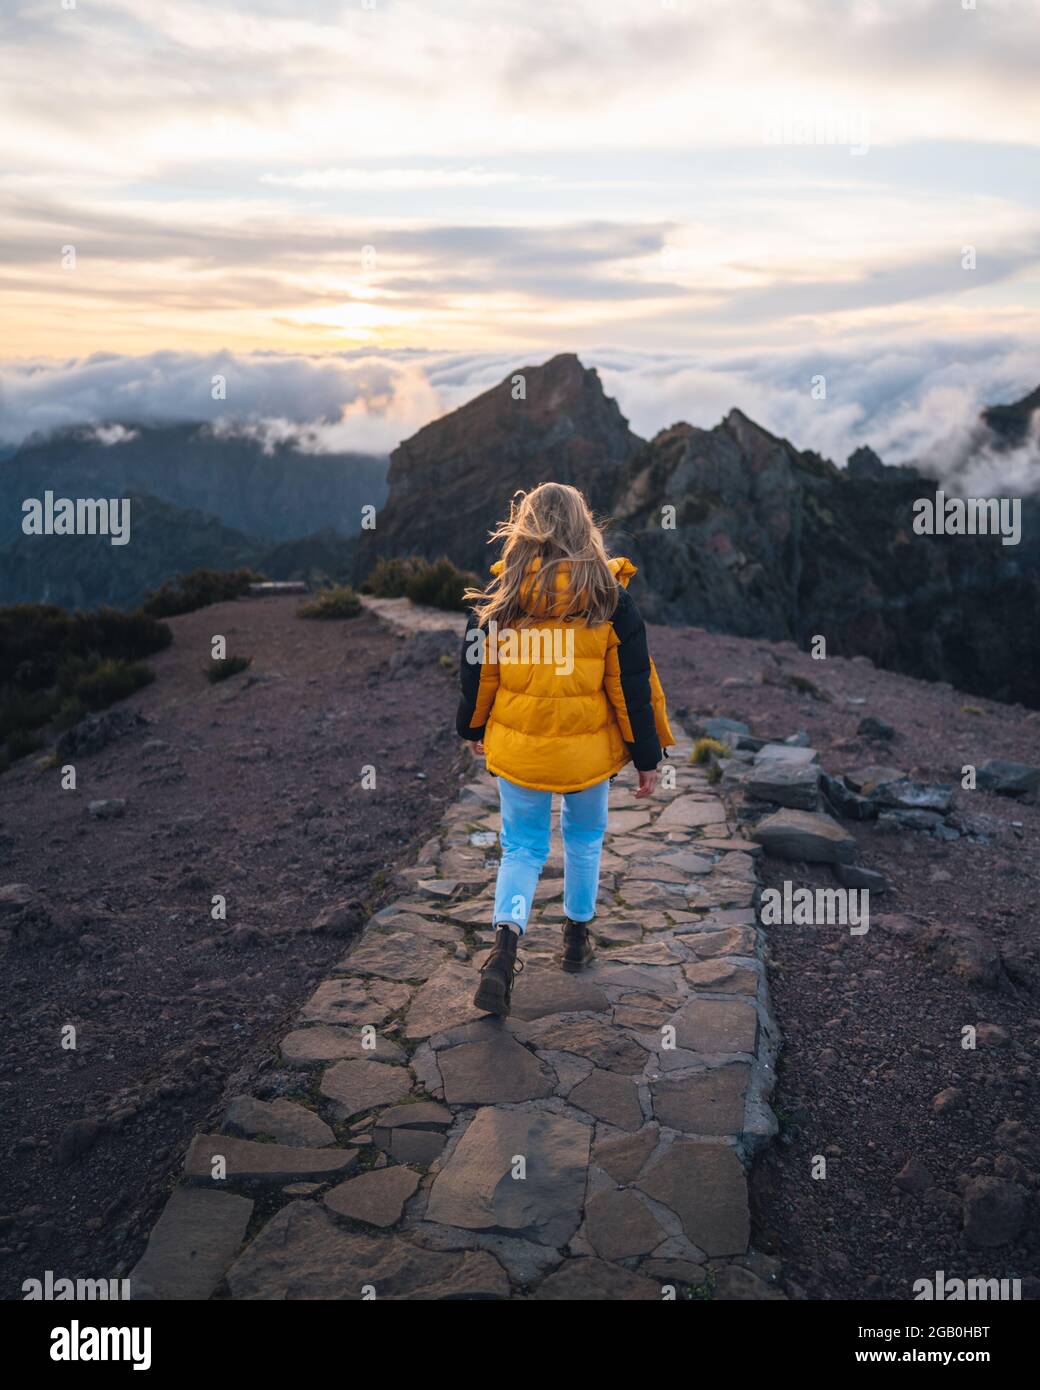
(365, 212)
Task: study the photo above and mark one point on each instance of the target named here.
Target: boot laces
(517, 963)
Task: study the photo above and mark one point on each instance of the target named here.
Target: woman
(559, 693)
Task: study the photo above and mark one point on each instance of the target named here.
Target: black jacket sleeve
(469, 682)
(634, 664)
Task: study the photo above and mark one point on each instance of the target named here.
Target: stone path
(595, 1145)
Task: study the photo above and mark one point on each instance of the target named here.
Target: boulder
(736, 1284)
(904, 794)
(855, 876)
(1009, 779)
(805, 835)
(795, 785)
(956, 947)
(867, 780)
(97, 731)
(790, 753)
(843, 801)
(719, 728)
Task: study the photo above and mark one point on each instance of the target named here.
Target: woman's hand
(478, 747)
(647, 783)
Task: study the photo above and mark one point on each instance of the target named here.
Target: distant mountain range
(200, 499)
(768, 541)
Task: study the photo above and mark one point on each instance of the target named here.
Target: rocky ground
(394, 1168)
(932, 1150)
(251, 789)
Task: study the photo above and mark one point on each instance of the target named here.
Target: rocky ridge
(733, 528)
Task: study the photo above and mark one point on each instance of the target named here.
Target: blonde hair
(554, 563)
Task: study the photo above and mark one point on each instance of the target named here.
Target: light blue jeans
(526, 822)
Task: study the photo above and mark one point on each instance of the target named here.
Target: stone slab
(377, 1197)
(191, 1246)
(703, 1102)
(705, 1185)
(352, 1087)
(479, 1188)
(245, 1159)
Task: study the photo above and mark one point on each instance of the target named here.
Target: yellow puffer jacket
(562, 705)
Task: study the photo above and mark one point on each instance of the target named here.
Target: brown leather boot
(577, 946)
(496, 974)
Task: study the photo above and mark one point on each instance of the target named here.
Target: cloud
(412, 179)
(359, 403)
(972, 463)
(114, 434)
(915, 401)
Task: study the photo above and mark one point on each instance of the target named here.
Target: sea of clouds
(908, 404)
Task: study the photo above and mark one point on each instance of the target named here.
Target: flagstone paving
(594, 1145)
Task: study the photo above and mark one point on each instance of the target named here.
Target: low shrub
(441, 585)
(37, 638)
(70, 712)
(110, 681)
(707, 748)
(22, 710)
(230, 666)
(338, 602)
(389, 577)
(436, 584)
(199, 589)
(59, 665)
(21, 743)
(124, 636)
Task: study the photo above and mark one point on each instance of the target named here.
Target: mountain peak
(452, 481)
(1011, 422)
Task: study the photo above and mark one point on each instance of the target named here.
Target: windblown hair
(554, 563)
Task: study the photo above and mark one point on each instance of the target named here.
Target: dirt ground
(872, 1024)
(250, 788)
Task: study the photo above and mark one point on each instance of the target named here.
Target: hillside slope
(272, 495)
